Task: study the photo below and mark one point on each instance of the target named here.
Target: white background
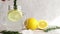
(39, 9)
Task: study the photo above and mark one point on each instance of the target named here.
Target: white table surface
(40, 32)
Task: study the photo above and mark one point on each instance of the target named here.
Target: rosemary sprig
(52, 28)
(10, 32)
(15, 5)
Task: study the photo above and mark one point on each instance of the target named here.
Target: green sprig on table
(52, 28)
(10, 32)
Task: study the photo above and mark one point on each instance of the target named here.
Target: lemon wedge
(42, 24)
(14, 15)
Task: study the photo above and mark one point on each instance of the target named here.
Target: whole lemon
(31, 23)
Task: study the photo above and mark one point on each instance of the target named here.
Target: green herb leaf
(15, 5)
(10, 32)
(52, 28)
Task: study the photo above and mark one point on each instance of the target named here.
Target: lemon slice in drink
(14, 15)
(42, 24)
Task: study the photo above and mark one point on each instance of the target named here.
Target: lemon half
(14, 15)
(42, 24)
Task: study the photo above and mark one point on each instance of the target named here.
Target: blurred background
(48, 10)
